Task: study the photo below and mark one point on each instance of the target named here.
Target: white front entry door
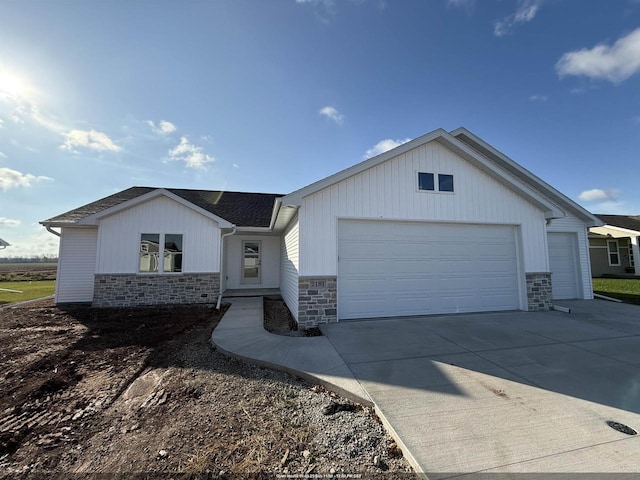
(251, 261)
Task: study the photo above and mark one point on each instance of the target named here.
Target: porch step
(251, 292)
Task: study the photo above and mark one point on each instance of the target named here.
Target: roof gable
(153, 194)
(227, 208)
(628, 222)
(444, 138)
(476, 143)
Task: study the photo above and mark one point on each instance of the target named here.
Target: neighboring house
(442, 224)
(613, 247)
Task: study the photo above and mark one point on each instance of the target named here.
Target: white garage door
(398, 268)
(563, 265)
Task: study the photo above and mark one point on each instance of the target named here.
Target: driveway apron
(504, 392)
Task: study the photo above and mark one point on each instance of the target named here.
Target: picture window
(151, 261)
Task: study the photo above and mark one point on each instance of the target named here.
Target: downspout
(222, 237)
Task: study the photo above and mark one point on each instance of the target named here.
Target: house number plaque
(317, 284)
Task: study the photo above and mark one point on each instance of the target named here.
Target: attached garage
(388, 268)
(563, 263)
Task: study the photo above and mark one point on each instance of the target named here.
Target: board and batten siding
(572, 224)
(76, 265)
(269, 258)
(290, 266)
(119, 237)
(389, 191)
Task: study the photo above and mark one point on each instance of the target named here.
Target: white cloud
(191, 155)
(538, 98)
(88, 139)
(3, 155)
(36, 242)
(9, 222)
(527, 10)
(599, 195)
(235, 165)
(326, 3)
(333, 114)
(461, 3)
(163, 128)
(614, 63)
(12, 179)
(384, 146)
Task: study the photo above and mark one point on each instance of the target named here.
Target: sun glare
(12, 86)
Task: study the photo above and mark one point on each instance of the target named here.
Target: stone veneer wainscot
(131, 290)
(539, 295)
(317, 301)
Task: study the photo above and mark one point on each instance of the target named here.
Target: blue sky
(271, 95)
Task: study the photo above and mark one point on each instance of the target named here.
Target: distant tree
(31, 259)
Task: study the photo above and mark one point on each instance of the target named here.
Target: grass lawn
(30, 290)
(627, 290)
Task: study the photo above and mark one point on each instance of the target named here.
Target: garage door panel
(425, 268)
(563, 265)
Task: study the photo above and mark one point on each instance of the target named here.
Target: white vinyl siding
(388, 191)
(76, 265)
(389, 269)
(119, 238)
(563, 261)
(290, 267)
(270, 261)
(571, 224)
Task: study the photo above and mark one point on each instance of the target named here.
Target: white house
(442, 224)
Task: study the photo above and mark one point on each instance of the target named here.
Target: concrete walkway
(241, 334)
(499, 393)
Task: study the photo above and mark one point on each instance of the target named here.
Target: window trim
(436, 183)
(434, 189)
(453, 185)
(616, 252)
(161, 246)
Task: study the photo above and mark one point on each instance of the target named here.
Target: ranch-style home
(442, 224)
(614, 247)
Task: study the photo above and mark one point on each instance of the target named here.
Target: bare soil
(10, 272)
(278, 319)
(143, 392)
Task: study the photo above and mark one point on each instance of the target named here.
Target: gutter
(222, 237)
(274, 215)
(51, 230)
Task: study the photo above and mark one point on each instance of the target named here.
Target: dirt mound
(143, 391)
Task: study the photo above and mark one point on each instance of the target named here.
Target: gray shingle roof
(630, 222)
(240, 208)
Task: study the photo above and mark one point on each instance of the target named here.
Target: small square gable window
(426, 181)
(445, 183)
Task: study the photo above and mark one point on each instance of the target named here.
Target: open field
(16, 272)
(30, 290)
(627, 290)
(126, 391)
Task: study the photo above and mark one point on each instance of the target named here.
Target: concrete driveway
(504, 392)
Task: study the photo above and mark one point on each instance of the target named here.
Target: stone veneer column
(317, 301)
(131, 290)
(539, 295)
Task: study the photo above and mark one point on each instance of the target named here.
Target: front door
(251, 261)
